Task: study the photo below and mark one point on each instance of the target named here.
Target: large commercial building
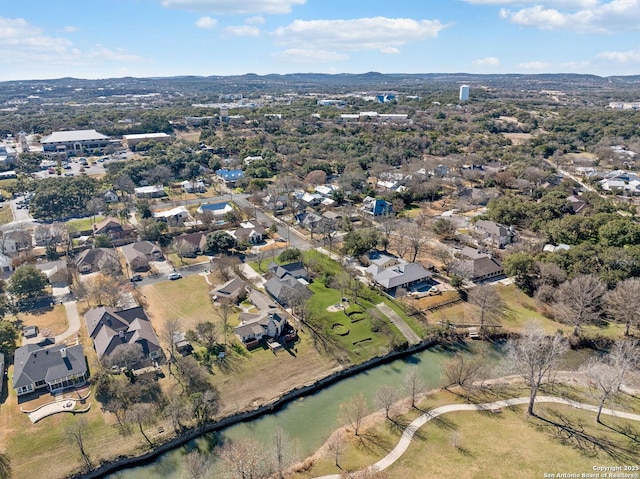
(76, 142)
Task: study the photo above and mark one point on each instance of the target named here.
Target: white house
(176, 215)
(152, 191)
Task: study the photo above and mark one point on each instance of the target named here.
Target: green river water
(309, 420)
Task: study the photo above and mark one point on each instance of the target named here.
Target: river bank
(126, 462)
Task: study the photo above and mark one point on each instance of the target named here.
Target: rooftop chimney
(63, 352)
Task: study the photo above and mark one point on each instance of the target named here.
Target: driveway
(252, 275)
(162, 267)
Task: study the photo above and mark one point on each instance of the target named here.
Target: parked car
(136, 277)
(174, 276)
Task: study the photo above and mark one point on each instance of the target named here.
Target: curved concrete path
(407, 435)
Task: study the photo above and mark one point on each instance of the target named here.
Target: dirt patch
(518, 138)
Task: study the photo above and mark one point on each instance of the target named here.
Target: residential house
(476, 265)
(15, 241)
(401, 275)
(8, 156)
(45, 234)
(231, 290)
(56, 272)
(110, 327)
(275, 202)
(309, 221)
(98, 259)
(174, 216)
(55, 368)
(230, 177)
(216, 209)
(287, 282)
(6, 265)
(383, 260)
(250, 159)
(376, 207)
(139, 254)
(326, 190)
(254, 327)
(152, 191)
(495, 234)
(190, 244)
(112, 228)
(196, 186)
(310, 199)
(577, 203)
(252, 232)
(110, 196)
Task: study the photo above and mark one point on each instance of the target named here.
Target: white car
(174, 276)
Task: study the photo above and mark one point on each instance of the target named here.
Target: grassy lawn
(186, 300)
(6, 215)
(474, 444)
(83, 224)
(54, 320)
(176, 261)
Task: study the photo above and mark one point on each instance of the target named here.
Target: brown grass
(54, 320)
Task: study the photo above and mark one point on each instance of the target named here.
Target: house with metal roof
(217, 209)
(110, 327)
(230, 177)
(55, 368)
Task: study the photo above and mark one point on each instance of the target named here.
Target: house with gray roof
(55, 368)
(110, 327)
(139, 254)
(402, 275)
(495, 234)
(254, 327)
(98, 259)
(231, 290)
(285, 288)
(476, 265)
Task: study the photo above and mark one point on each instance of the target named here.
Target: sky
(44, 39)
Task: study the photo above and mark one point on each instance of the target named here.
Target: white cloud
(206, 22)
(71, 29)
(243, 31)
(571, 4)
(25, 45)
(255, 20)
(486, 62)
(303, 55)
(539, 66)
(585, 16)
(630, 56)
(358, 34)
(390, 50)
(234, 7)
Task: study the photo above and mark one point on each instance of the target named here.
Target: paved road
(409, 432)
(399, 323)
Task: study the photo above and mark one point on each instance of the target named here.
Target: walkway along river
(308, 420)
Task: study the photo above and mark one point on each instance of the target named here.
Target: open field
(485, 444)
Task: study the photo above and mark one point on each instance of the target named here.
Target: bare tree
(462, 369)
(196, 465)
(413, 384)
(171, 330)
(444, 255)
(354, 412)
(385, 397)
(205, 405)
(77, 431)
(417, 238)
(102, 290)
(623, 303)
(224, 266)
(142, 414)
(579, 300)
(245, 459)
(607, 373)
(489, 302)
(281, 450)
(126, 355)
(224, 308)
(535, 357)
(335, 445)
